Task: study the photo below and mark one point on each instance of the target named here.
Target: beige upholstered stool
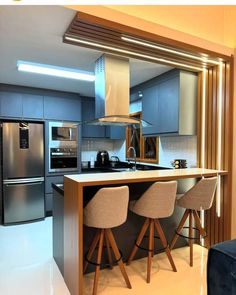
(157, 202)
(107, 209)
(199, 197)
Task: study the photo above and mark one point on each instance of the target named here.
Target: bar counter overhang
(75, 187)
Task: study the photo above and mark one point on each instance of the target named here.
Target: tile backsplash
(178, 147)
(90, 147)
(170, 148)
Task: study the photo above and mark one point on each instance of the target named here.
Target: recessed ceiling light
(55, 71)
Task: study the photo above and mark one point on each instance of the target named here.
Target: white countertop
(139, 176)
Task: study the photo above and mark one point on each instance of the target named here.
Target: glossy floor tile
(27, 268)
(26, 263)
(187, 280)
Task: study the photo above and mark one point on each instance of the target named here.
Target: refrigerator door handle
(23, 180)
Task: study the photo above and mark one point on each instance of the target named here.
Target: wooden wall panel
(217, 225)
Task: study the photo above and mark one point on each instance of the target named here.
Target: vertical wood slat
(228, 148)
(218, 228)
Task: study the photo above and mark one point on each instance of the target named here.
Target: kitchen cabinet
(92, 131)
(62, 108)
(32, 106)
(88, 113)
(10, 104)
(116, 132)
(170, 104)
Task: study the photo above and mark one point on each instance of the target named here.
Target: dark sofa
(221, 269)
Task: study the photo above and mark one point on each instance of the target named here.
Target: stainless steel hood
(112, 92)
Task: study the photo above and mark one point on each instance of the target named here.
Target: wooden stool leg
(181, 224)
(139, 240)
(108, 249)
(99, 258)
(200, 228)
(92, 248)
(150, 247)
(164, 243)
(190, 236)
(117, 256)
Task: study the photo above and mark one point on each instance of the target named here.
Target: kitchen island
(79, 189)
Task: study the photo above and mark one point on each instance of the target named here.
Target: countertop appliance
(22, 171)
(102, 159)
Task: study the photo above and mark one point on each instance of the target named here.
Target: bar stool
(199, 197)
(157, 202)
(107, 209)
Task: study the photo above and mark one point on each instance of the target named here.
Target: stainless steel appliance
(63, 159)
(62, 134)
(22, 172)
(63, 155)
(102, 159)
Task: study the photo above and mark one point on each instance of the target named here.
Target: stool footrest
(149, 250)
(188, 237)
(100, 264)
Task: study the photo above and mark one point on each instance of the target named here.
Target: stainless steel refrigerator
(22, 172)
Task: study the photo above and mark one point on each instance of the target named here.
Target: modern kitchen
(102, 128)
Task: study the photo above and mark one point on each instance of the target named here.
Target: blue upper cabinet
(32, 106)
(169, 104)
(10, 104)
(62, 108)
(92, 131)
(116, 132)
(88, 114)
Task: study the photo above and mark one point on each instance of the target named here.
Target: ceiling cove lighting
(136, 41)
(37, 68)
(132, 53)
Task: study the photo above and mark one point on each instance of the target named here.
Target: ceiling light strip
(219, 140)
(54, 71)
(162, 60)
(139, 42)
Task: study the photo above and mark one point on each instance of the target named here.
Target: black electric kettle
(102, 158)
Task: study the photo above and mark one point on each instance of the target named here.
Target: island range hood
(112, 92)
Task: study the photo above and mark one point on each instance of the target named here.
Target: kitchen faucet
(134, 156)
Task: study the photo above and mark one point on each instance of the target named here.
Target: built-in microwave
(63, 134)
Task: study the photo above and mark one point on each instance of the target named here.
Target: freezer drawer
(23, 201)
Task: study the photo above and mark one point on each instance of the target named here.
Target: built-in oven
(63, 159)
(63, 153)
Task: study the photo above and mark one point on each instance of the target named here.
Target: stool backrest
(201, 196)
(158, 201)
(108, 208)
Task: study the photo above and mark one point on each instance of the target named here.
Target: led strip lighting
(132, 53)
(203, 139)
(219, 139)
(140, 42)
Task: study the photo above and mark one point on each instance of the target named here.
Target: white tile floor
(26, 263)
(27, 268)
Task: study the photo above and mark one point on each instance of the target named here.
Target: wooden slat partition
(217, 225)
(101, 31)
